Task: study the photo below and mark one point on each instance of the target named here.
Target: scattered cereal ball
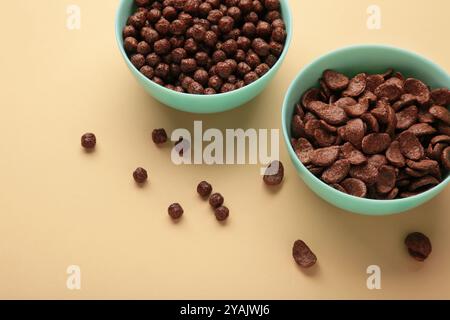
(88, 140)
(175, 211)
(140, 175)
(204, 189)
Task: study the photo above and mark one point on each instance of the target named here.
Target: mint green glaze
(198, 103)
(353, 60)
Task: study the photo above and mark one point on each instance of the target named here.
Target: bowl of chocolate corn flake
(204, 56)
(368, 128)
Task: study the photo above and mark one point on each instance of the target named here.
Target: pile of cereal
(378, 136)
(205, 47)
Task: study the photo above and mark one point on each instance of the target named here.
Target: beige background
(60, 206)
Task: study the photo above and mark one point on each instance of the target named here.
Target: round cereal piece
(397, 80)
(415, 173)
(419, 246)
(445, 158)
(422, 129)
(336, 172)
(441, 96)
(354, 132)
(373, 81)
(298, 127)
(338, 187)
(353, 155)
(386, 179)
(440, 139)
(367, 173)
(371, 122)
(330, 113)
(388, 73)
(345, 102)
(426, 181)
(324, 157)
(356, 86)
(130, 44)
(317, 171)
(302, 254)
(380, 113)
(311, 126)
(325, 92)
(418, 89)
(440, 113)
(406, 194)
(303, 148)
(407, 117)
(377, 160)
(140, 175)
(324, 138)
(393, 194)
(222, 213)
(395, 156)
(425, 117)
(299, 110)
(358, 109)
(422, 165)
(138, 60)
(369, 96)
(376, 143)
(195, 88)
(329, 128)
(175, 211)
(436, 152)
(410, 146)
(274, 174)
(216, 200)
(335, 81)
(391, 122)
(310, 96)
(390, 91)
(355, 187)
(406, 100)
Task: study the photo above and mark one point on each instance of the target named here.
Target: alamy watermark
(374, 280)
(374, 19)
(73, 21)
(73, 281)
(235, 146)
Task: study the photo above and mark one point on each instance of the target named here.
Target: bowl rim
(287, 18)
(286, 127)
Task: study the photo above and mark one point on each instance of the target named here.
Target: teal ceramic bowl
(353, 60)
(201, 103)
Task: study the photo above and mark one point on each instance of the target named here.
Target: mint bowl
(200, 103)
(351, 61)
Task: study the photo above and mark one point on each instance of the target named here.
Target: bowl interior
(351, 61)
(201, 103)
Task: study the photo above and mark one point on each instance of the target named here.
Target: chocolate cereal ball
(216, 200)
(204, 46)
(175, 211)
(140, 175)
(201, 76)
(222, 213)
(204, 189)
(147, 71)
(138, 60)
(88, 140)
(129, 31)
(130, 44)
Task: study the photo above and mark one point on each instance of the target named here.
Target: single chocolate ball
(140, 175)
(88, 140)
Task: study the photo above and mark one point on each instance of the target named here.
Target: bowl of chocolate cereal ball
(204, 56)
(368, 128)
